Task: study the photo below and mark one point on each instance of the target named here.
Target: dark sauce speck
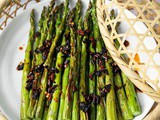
(84, 106)
(37, 34)
(20, 66)
(126, 43)
(105, 90)
(20, 48)
(81, 32)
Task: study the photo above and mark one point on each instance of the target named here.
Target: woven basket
(146, 16)
(10, 8)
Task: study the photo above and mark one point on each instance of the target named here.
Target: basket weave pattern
(147, 14)
(10, 10)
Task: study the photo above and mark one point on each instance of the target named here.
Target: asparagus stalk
(122, 100)
(75, 110)
(92, 79)
(64, 87)
(78, 13)
(131, 96)
(111, 113)
(30, 112)
(82, 83)
(53, 108)
(65, 79)
(100, 84)
(67, 110)
(100, 80)
(92, 69)
(27, 67)
(119, 113)
(48, 62)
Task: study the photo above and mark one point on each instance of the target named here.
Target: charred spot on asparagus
(29, 85)
(80, 32)
(93, 42)
(50, 92)
(29, 82)
(39, 68)
(65, 49)
(54, 70)
(87, 32)
(66, 63)
(116, 88)
(84, 106)
(36, 93)
(116, 69)
(105, 90)
(30, 76)
(37, 34)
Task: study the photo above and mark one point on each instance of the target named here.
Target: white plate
(14, 36)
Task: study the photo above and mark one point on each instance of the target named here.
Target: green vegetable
(75, 110)
(100, 79)
(48, 61)
(122, 100)
(111, 113)
(83, 68)
(67, 110)
(53, 108)
(131, 96)
(26, 69)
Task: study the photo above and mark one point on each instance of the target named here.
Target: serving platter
(13, 42)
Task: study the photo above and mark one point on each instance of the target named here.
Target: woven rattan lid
(140, 29)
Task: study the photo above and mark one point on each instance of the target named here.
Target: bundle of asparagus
(68, 74)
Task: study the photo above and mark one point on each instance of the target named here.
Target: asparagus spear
(32, 101)
(27, 67)
(100, 84)
(119, 113)
(111, 113)
(48, 62)
(122, 100)
(82, 84)
(64, 87)
(67, 111)
(50, 87)
(75, 110)
(53, 108)
(78, 13)
(92, 78)
(131, 96)
(100, 80)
